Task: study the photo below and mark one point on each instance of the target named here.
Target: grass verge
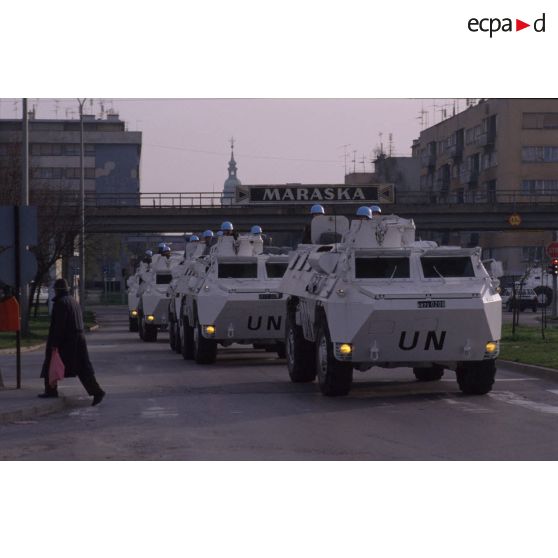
(528, 346)
(38, 331)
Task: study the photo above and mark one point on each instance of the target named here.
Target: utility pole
(82, 210)
(24, 200)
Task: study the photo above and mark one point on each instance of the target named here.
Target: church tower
(229, 188)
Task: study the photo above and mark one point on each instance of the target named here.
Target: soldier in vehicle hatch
(316, 209)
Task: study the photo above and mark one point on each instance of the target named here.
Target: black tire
(430, 374)
(186, 340)
(172, 335)
(545, 295)
(205, 350)
(141, 331)
(149, 333)
(177, 339)
(299, 353)
(476, 378)
(281, 350)
(133, 324)
(334, 377)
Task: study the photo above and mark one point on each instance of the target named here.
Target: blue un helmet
(219, 233)
(256, 229)
(166, 249)
(227, 226)
(149, 253)
(364, 212)
(161, 247)
(317, 210)
(194, 238)
(376, 210)
(207, 234)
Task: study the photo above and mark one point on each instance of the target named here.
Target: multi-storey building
(111, 156)
(498, 150)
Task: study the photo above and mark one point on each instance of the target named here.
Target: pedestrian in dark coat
(66, 335)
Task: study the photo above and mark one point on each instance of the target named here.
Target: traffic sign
(514, 219)
(552, 250)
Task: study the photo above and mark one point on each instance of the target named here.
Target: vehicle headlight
(134, 313)
(491, 347)
(209, 329)
(345, 349)
(150, 318)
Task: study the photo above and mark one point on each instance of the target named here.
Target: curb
(34, 410)
(531, 370)
(23, 349)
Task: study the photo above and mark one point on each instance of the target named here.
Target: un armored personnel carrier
(178, 287)
(381, 298)
(232, 296)
(153, 295)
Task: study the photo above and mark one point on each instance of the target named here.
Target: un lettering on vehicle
(272, 323)
(432, 340)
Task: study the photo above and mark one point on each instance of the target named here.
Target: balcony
(428, 160)
(469, 176)
(455, 152)
(487, 140)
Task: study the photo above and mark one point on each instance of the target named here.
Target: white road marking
(500, 380)
(514, 399)
(156, 412)
(467, 406)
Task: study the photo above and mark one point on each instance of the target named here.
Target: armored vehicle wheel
(205, 350)
(133, 324)
(141, 331)
(177, 339)
(428, 374)
(476, 378)
(149, 333)
(335, 377)
(299, 354)
(544, 295)
(172, 335)
(186, 340)
(281, 350)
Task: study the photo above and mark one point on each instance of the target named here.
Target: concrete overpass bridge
(194, 212)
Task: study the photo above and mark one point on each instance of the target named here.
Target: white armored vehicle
(153, 294)
(232, 296)
(179, 286)
(380, 298)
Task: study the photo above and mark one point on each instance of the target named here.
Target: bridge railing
(184, 200)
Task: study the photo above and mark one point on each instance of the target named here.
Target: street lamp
(82, 210)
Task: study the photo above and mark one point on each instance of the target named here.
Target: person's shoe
(48, 395)
(98, 398)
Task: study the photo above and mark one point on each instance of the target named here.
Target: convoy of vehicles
(360, 295)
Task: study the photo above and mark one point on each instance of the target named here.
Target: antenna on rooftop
(423, 118)
(363, 161)
(345, 155)
(354, 160)
(390, 145)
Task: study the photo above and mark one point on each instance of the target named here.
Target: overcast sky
(186, 142)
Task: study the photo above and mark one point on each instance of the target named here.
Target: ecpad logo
(494, 24)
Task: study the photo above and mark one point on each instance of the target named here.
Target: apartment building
(499, 150)
(111, 156)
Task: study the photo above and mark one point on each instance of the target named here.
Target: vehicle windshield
(382, 268)
(237, 270)
(163, 278)
(275, 270)
(460, 266)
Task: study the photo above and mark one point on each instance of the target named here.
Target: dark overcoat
(66, 333)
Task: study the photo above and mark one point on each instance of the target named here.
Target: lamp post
(82, 210)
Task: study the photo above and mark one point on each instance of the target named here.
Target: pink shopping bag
(56, 369)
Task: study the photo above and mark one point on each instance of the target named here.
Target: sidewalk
(23, 404)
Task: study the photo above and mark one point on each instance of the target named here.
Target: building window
(47, 173)
(539, 154)
(533, 187)
(540, 120)
(73, 173)
(46, 149)
(74, 149)
(532, 254)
